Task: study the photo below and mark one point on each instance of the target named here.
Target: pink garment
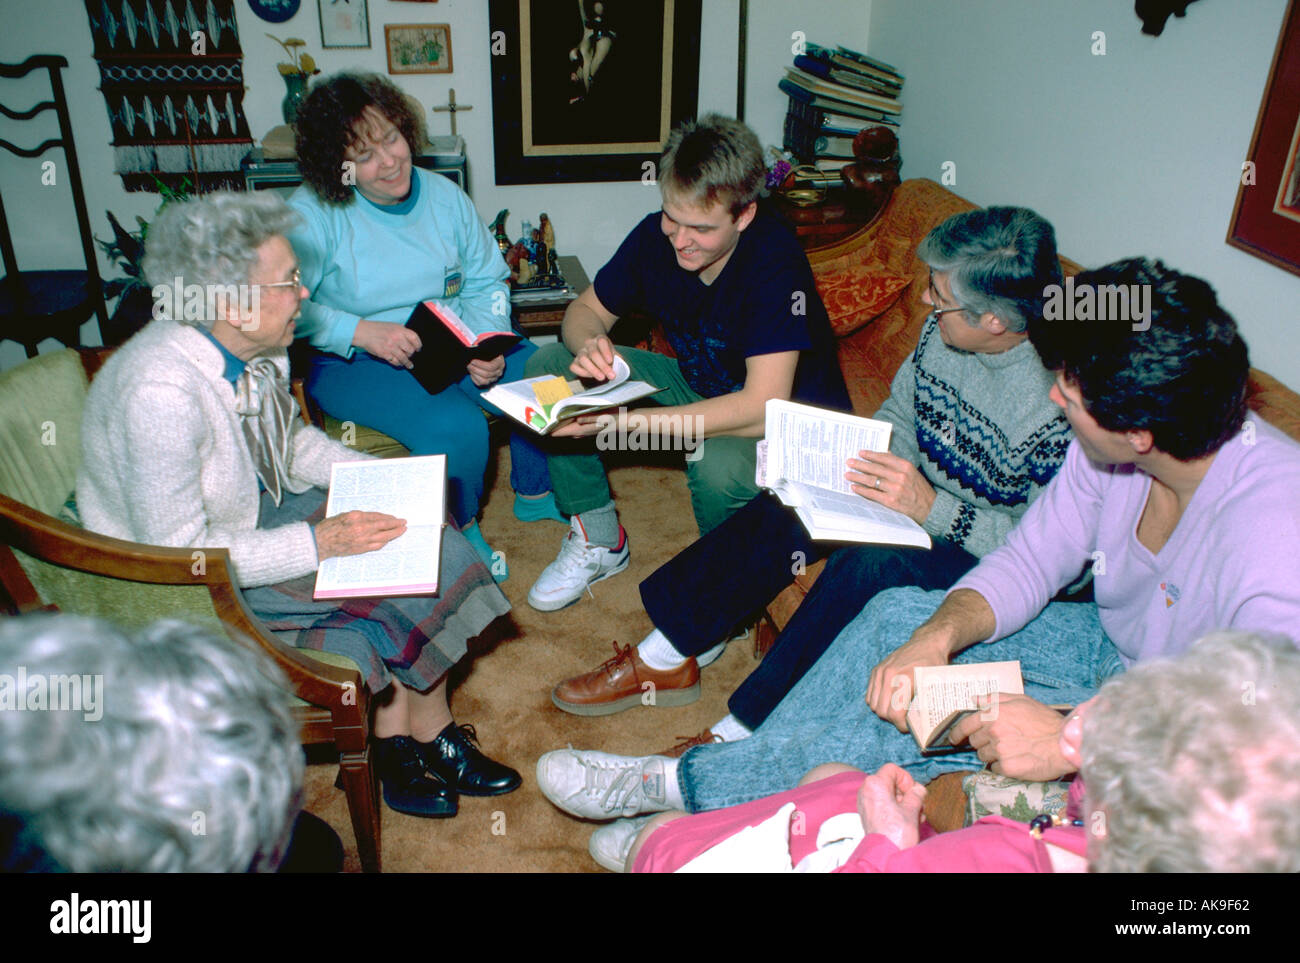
(992, 845)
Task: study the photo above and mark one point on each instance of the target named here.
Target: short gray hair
(998, 260)
(194, 764)
(212, 240)
(1195, 761)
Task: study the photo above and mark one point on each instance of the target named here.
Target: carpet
(504, 687)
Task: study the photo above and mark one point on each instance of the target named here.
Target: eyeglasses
(294, 282)
(934, 296)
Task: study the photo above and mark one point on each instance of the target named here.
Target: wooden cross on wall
(451, 107)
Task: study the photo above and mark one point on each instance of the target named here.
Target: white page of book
(813, 445)
(412, 489)
(819, 500)
(945, 690)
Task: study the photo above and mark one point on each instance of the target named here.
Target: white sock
(659, 782)
(731, 729)
(657, 652)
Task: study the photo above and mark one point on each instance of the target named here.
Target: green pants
(719, 471)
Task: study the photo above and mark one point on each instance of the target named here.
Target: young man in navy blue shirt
(735, 297)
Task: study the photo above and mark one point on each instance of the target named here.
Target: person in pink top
(1238, 774)
(1183, 504)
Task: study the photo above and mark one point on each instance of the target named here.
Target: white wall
(590, 219)
(1135, 152)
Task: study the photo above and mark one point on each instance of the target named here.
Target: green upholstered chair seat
(364, 439)
(40, 433)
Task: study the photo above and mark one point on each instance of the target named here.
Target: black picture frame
(648, 83)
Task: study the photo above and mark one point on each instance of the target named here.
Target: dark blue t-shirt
(763, 302)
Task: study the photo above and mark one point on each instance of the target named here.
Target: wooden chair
(47, 563)
(35, 305)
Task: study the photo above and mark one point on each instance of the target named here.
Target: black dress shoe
(454, 757)
(408, 786)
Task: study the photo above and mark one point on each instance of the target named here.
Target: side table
(544, 316)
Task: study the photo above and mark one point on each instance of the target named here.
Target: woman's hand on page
(894, 482)
(394, 343)
(595, 359)
(484, 373)
(355, 533)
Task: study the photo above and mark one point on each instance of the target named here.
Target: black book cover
(447, 346)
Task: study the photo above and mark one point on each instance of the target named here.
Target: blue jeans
(376, 394)
(1064, 656)
(708, 589)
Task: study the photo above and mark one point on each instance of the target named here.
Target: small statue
(532, 259)
(499, 231)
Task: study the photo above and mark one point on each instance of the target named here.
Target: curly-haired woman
(379, 236)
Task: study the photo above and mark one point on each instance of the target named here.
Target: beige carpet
(504, 689)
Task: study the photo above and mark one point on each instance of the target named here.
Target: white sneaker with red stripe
(576, 568)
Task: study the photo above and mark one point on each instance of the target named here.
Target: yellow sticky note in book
(552, 390)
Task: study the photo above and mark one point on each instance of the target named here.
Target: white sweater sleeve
(165, 507)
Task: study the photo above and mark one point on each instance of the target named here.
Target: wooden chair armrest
(59, 543)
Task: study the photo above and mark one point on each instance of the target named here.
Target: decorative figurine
(532, 259)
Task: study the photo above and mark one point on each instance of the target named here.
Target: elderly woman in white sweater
(190, 438)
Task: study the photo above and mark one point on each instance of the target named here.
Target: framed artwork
(1266, 217)
(418, 48)
(343, 23)
(588, 90)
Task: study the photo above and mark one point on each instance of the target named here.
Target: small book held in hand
(448, 344)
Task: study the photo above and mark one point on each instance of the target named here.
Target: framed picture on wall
(418, 48)
(1266, 218)
(589, 90)
(343, 23)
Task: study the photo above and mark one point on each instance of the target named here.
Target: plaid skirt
(415, 639)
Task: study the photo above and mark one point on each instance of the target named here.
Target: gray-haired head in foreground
(998, 260)
(212, 240)
(713, 160)
(1195, 761)
(193, 764)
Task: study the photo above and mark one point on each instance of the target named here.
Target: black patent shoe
(454, 757)
(408, 786)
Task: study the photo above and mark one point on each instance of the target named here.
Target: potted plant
(134, 307)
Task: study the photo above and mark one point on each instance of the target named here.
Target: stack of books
(834, 93)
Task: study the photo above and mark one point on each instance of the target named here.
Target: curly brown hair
(328, 123)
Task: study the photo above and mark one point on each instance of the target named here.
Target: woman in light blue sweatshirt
(378, 236)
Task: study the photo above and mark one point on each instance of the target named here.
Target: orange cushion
(855, 292)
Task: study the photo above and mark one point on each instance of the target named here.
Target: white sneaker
(610, 844)
(578, 565)
(712, 655)
(600, 785)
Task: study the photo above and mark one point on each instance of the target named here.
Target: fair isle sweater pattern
(1002, 460)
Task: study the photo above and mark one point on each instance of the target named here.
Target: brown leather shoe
(621, 683)
(705, 738)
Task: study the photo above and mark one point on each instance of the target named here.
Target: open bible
(543, 402)
(413, 489)
(946, 694)
(803, 462)
(448, 344)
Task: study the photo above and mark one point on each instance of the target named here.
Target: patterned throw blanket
(171, 72)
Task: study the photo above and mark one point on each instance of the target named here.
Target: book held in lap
(412, 489)
(803, 459)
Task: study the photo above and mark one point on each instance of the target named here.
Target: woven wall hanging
(176, 114)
